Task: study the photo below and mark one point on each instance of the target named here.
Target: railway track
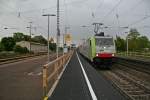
(135, 84)
(135, 64)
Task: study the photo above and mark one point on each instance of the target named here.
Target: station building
(35, 47)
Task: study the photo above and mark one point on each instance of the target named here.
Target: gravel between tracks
(135, 84)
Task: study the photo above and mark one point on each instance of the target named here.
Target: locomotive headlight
(104, 47)
(97, 54)
(113, 54)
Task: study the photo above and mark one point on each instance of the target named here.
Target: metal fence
(135, 54)
(52, 70)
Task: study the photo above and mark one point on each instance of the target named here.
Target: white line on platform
(87, 80)
(40, 73)
(31, 73)
(34, 74)
(56, 82)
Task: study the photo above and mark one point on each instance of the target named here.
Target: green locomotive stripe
(93, 48)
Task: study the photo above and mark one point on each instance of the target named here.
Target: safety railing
(139, 55)
(52, 70)
(135, 54)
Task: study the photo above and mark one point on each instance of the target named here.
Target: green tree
(52, 46)
(26, 38)
(120, 44)
(133, 39)
(133, 34)
(149, 45)
(20, 49)
(1, 47)
(39, 39)
(18, 37)
(8, 43)
(143, 42)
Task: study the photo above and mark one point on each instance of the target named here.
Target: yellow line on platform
(46, 98)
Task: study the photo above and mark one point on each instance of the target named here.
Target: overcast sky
(75, 13)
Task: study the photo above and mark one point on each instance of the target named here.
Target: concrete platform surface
(74, 86)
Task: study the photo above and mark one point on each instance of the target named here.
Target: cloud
(79, 12)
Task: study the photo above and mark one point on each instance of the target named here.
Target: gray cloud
(79, 12)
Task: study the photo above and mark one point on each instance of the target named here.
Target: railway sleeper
(131, 81)
(141, 97)
(135, 92)
(131, 89)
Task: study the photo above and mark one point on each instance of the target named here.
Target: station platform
(80, 81)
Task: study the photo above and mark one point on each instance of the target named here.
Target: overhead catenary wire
(10, 8)
(141, 19)
(22, 18)
(7, 7)
(116, 6)
(133, 7)
(138, 21)
(113, 9)
(20, 13)
(66, 13)
(42, 9)
(98, 7)
(25, 20)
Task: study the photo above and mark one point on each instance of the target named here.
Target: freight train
(100, 50)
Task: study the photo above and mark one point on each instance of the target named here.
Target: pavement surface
(22, 80)
(73, 86)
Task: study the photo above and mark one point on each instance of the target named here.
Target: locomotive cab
(100, 50)
(105, 50)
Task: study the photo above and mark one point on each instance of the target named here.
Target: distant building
(35, 47)
(73, 46)
(68, 39)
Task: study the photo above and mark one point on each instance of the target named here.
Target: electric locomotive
(100, 50)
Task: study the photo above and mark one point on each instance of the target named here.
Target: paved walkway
(80, 81)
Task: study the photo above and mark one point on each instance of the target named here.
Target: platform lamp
(48, 15)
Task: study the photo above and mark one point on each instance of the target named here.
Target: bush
(1, 47)
(7, 54)
(8, 43)
(52, 46)
(19, 49)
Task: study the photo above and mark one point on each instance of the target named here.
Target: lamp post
(48, 15)
(30, 27)
(64, 41)
(127, 39)
(58, 30)
(30, 31)
(127, 43)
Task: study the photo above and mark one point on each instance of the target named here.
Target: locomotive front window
(104, 41)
